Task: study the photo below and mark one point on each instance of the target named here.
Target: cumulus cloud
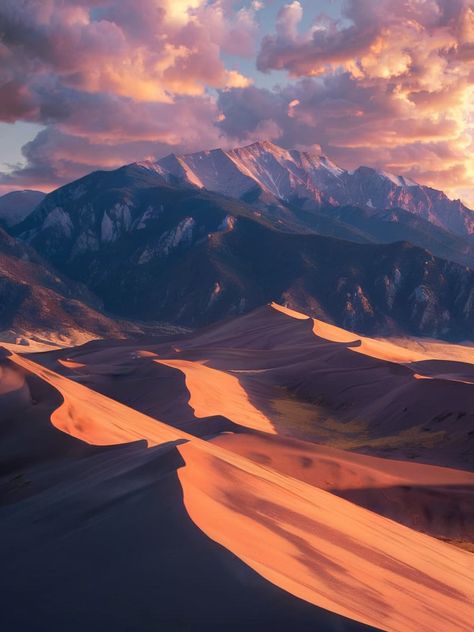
(393, 85)
(116, 79)
(389, 84)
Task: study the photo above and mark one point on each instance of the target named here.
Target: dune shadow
(454, 370)
(442, 511)
(102, 541)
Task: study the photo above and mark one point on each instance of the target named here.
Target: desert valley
(268, 471)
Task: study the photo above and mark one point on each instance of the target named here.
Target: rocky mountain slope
(384, 226)
(263, 171)
(17, 205)
(37, 302)
(152, 250)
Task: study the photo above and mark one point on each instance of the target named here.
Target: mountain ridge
(17, 205)
(292, 175)
(192, 257)
(154, 247)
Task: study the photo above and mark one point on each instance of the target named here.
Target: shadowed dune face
(122, 511)
(98, 538)
(298, 377)
(14, 392)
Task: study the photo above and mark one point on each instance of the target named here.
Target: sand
(435, 500)
(218, 393)
(301, 538)
(198, 482)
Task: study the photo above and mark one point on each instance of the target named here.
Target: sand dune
(334, 387)
(224, 445)
(326, 550)
(305, 540)
(98, 538)
(218, 393)
(435, 500)
(269, 371)
(393, 350)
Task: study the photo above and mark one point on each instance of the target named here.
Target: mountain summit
(264, 173)
(155, 242)
(281, 173)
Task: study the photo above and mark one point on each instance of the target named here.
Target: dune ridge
(340, 406)
(306, 540)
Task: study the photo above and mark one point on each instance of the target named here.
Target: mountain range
(268, 471)
(17, 205)
(263, 171)
(38, 303)
(195, 238)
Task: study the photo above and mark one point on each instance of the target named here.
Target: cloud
(104, 131)
(116, 78)
(389, 84)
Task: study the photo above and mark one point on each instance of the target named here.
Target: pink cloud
(395, 88)
(115, 80)
(389, 85)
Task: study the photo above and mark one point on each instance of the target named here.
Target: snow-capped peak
(274, 170)
(290, 175)
(399, 181)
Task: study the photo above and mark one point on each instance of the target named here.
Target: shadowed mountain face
(154, 251)
(17, 205)
(370, 225)
(37, 299)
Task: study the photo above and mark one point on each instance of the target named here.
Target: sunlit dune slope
(279, 371)
(98, 538)
(311, 543)
(435, 500)
(215, 392)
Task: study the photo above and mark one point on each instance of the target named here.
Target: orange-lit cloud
(390, 84)
(114, 81)
(395, 87)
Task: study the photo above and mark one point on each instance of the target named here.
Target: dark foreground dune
(103, 535)
(98, 538)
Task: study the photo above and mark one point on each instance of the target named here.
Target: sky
(91, 84)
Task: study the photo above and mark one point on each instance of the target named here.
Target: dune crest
(398, 350)
(214, 392)
(306, 540)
